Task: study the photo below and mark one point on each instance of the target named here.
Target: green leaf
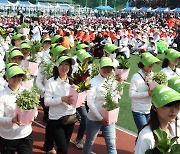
(176, 148)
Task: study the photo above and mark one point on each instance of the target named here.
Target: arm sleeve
(142, 145)
(91, 95)
(39, 80)
(49, 100)
(4, 120)
(133, 90)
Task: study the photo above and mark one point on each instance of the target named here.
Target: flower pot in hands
(78, 98)
(25, 116)
(27, 84)
(25, 31)
(110, 116)
(153, 84)
(122, 73)
(33, 67)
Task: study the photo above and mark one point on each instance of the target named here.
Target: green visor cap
(16, 36)
(172, 55)
(81, 46)
(63, 58)
(10, 65)
(174, 83)
(57, 50)
(110, 47)
(13, 71)
(82, 55)
(106, 61)
(148, 59)
(25, 46)
(54, 38)
(15, 53)
(47, 39)
(163, 95)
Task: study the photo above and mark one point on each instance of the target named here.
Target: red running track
(125, 141)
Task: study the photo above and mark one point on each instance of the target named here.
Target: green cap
(81, 46)
(13, 71)
(54, 38)
(163, 95)
(110, 47)
(11, 64)
(82, 55)
(17, 36)
(56, 50)
(172, 55)
(63, 58)
(47, 39)
(15, 53)
(106, 61)
(148, 59)
(174, 83)
(25, 46)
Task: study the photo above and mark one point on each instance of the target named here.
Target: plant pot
(27, 84)
(110, 116)
(122, 73)
(33, 67)
(78, 98)
(25, 31)
(25, 116)
(153, 84)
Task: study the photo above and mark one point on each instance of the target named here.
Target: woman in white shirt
(14, 137)
(95, 100)
(139, 91)
(170, 64)
(59, 101)
(163, 115)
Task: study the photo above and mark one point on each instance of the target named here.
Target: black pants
(45, 109)
(21, 146)
(61, 135)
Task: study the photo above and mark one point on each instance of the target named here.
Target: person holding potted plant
(14, 137)
(170, 64)
(62, 115)
(83, 69)
(163, 117)
(139, 90)
(95, 100)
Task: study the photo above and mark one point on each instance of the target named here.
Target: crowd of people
(66, 45)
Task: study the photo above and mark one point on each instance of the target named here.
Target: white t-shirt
(9, 130)
(170, 73)
(138, 92)
(146, 140)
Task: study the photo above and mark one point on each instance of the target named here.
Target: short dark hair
(140, 65)
(56, 73)
(165, 63)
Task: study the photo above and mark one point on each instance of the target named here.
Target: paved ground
(125, 140)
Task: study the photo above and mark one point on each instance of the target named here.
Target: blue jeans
(83, 113)
(140, 119)
(109, 133)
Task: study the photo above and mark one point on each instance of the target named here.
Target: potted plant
(47, 69)
(165, 145)
(31, 64)
(27, 82)
(157, 79)
(25, 28)
(110, 109)
(81, 85)
(3, 33)
(123, 69)
(95, 68)
(27, 102)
